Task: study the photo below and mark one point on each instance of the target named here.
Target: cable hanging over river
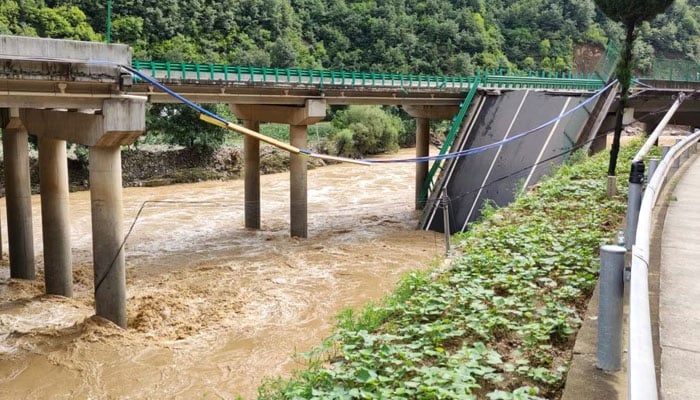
(217, 120)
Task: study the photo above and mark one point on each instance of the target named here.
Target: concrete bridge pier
(298, 137)
(107, 233)
(18, 196)
(423, 115)
(118, 123)
(299, 118)
(55, 217)
(251, 169)
(422, 150)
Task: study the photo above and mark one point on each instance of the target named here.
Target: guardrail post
(634, 201)
(653, 164)
(610, 300)
(677, 161)
(445, 202)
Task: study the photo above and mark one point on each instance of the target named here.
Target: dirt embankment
(142, 167)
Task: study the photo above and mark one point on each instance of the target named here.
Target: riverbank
(161, 165)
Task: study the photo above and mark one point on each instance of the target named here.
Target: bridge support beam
(251, 159)
(55, 218)
(119, 123)
(107, 233)
(298, 205)
(423, 115)
(422, 150)
(298, 118)
(18, 198)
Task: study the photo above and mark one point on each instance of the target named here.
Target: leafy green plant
(497, 323)
(366, 130)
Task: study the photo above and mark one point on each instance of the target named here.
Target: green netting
(606, 67)
(674, 70)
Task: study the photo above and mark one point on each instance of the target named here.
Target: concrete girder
(120, 122)
(298, 97)
(41, 59)
(17, 47)
(43, 100)
(312, 112)
(431, 112)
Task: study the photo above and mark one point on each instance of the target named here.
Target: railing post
(610, 300)
(445, 201)
(634, 201)
(653, 164)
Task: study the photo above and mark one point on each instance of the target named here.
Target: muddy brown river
(213, 309)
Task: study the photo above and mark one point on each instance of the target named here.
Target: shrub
(177, 124)
(371, 130)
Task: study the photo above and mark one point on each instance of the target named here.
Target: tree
(365, 130)
(631, 13)
(180, 125)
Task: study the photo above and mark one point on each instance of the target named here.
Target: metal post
(610, 300)
(653, 164)
(446, 220)
(634, 201)
(677, 161)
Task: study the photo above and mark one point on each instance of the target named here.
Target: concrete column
(297, 176)
(251, 158)
(19, 202)
(107, 233)
(55, 219)
(422, 150)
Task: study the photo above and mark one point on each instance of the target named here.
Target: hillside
(433, 36)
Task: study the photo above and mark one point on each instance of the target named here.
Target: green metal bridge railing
(673, 70)
(457, 121)
(243, 74)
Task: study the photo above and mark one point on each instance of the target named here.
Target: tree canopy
(422, 36)
(633, 12)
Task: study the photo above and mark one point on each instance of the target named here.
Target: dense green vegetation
(435, 36)
(496, 323)
(425, 36)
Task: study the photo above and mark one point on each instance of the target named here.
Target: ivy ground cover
(496, 322)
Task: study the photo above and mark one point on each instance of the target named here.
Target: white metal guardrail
(641, 371)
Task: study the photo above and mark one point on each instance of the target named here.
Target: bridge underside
(496, 175)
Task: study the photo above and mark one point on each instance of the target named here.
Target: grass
(498, 323)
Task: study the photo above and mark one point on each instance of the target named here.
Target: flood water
(213, 308)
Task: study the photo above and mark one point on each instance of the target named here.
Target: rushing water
(213, 309)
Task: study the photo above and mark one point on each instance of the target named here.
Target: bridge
(65, 91)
